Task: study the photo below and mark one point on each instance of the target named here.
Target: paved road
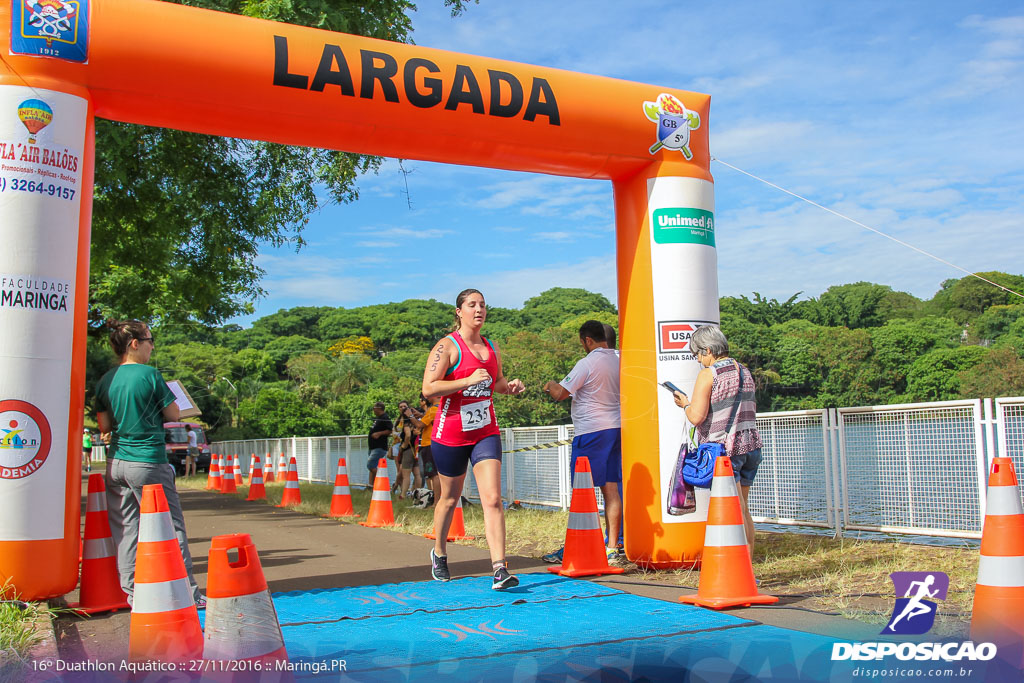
(299, 552)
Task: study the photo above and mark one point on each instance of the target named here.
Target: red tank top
(467, 416)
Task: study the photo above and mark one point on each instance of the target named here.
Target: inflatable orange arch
(66, 62)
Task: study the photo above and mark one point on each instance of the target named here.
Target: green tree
(937, 375)
(551, 307)
(966, 298)
(254, 364)
(302, 321)
(898, 343)
(861, 304)
(185, 213)
(995, 321)
(760, 311)
(999, 373)
(283, 348)
(277, 412)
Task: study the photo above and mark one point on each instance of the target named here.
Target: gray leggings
(124, 480)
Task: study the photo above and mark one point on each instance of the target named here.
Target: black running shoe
(503, 580)
(439, 567)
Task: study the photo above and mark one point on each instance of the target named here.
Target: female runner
(464, 371)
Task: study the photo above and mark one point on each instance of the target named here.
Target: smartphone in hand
(673, 388)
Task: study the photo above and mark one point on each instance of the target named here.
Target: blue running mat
(334, 604)
(549, 628)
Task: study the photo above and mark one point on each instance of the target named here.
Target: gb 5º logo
(674, 121)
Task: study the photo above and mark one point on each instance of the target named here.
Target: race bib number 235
(475, 415)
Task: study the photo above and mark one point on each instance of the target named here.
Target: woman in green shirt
(132, 403)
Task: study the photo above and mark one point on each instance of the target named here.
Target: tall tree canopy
(178, 218)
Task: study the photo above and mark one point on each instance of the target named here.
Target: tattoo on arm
(437, 357)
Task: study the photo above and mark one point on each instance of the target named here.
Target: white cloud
(554, 237)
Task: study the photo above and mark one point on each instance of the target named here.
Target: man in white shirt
(593, 385)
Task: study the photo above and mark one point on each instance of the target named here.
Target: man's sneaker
(615, 558)
(439, 567)
(555, 557)
(503, 580)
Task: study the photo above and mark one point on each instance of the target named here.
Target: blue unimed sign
(51, 28)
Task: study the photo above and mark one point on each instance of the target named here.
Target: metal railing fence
(917, 469)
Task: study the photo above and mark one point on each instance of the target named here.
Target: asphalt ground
(300, 552)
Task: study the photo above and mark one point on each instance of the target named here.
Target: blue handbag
(699, 466)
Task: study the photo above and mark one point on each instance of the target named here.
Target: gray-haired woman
(724, 411)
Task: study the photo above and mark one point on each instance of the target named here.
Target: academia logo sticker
(674, 121)
(914, 613)
(24, 439)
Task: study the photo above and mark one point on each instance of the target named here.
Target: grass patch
(23, 626)
(846, 576)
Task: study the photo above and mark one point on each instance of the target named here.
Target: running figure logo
(914, 613)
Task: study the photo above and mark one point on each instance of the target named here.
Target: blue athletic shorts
(745, 466)
(452, 461)
(604, 450)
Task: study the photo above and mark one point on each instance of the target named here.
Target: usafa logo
(674, 121)
(24, 439)
(914, 614)
(51, 28)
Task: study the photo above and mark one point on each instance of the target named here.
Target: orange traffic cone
(341, 501)
(238, 473)
(457, 530)
(214, 482)
(726, 574)
(291, 495)
(998, 615)
(165, 623)
(101, 584)
(584, 553)
(209, 472)
(241, 623)
(227, 479)
(256, 488)
(268, 471)
(282, 468)
(381, 513)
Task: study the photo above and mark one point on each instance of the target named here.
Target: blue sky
(905, 116)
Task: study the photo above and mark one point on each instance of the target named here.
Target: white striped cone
(457, 529)
(101, 583)
(238, 472)
(726, 573)
(998, 614)
(227, 476)
(584, 553)
(282, 468)
(252, 463)
(291, 495)
(164, 623)
(341, 499)
(381, 512)
(256, 489)
(268, 469)
(241, 623)
(215, 479)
